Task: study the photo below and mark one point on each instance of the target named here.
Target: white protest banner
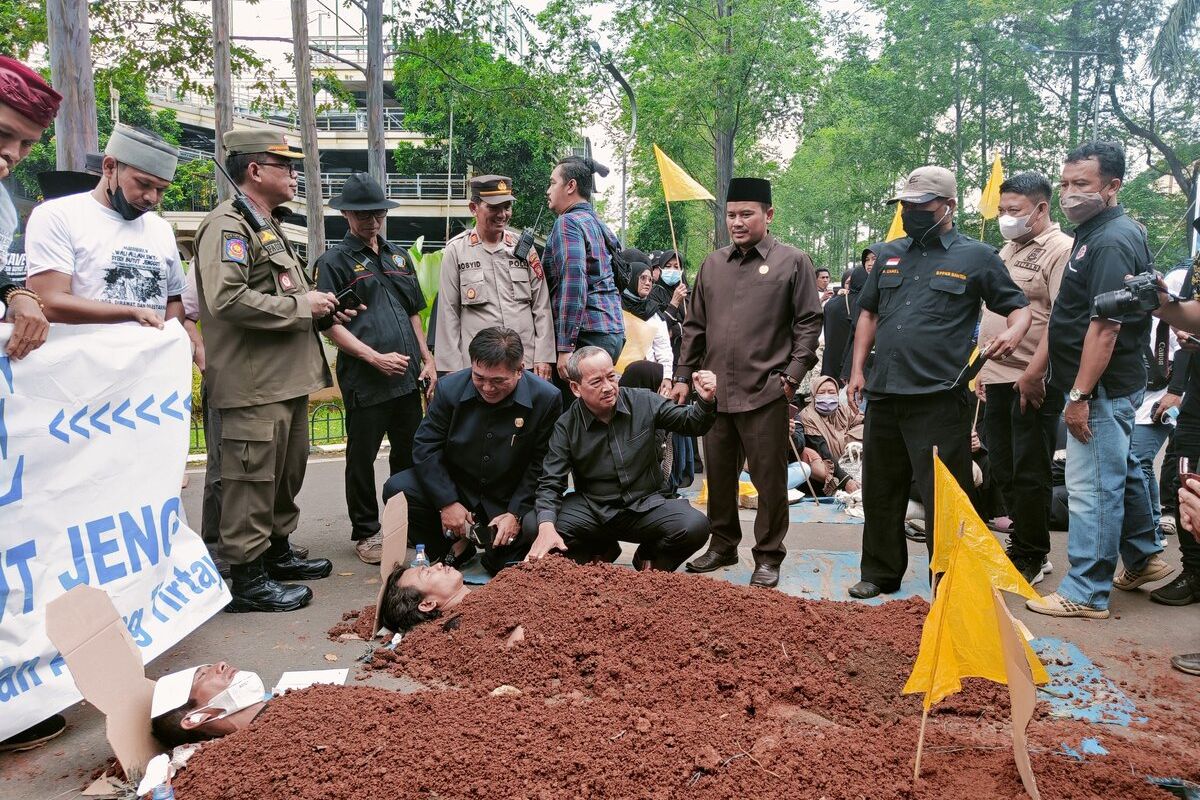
(93, 441)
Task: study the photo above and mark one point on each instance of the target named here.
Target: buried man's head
(419, 594)
(205, 702)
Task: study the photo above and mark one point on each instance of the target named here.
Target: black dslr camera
(1140, 294)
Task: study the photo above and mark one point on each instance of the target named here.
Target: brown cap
(925, 184)
(247, 142)
(492, 189)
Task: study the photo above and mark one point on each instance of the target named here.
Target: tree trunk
(75, 129)
(376, 143)
(222, 91)
(958, 114)
(1074, 44)
(314, 203)
(1175, 162)
(723, 151)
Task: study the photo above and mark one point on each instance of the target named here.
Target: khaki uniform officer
(483, 285)
(259, 313)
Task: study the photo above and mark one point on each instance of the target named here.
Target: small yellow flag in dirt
(896, 230)
(962, 636)
(952, 509)
(677, 184)
(989, 203)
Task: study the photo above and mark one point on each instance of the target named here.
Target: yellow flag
(989, 203)
(677, 184)
(952, 510)
(962, 636)
(896, 231)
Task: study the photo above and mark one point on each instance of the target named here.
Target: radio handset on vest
(243, 205)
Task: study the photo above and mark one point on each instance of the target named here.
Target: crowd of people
(559, 403)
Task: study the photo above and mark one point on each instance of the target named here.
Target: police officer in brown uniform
(484, 285)
(754, 320)
(259, 313)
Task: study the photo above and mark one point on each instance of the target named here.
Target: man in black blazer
(477, 455)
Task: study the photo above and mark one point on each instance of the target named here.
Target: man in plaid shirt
(583, 295)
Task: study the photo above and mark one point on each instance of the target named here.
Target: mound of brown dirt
(631, 685)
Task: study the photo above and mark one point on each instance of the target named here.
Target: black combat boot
(253, 591)
(283, 564)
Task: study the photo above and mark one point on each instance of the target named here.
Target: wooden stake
(920, 745)
(978, 404)
(671, 222)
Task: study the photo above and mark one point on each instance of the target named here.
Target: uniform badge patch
(764, 269)
(473, 238)
(235, 248)
(285, 282)
(273, 247)
(267, 236)
(1082, 252)
(893, 261)
(535, 264)
(509, 239)
(470, 294)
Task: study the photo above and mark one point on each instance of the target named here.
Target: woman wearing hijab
(646, 336)
(858, 279)
(671, 290)
(829, 425)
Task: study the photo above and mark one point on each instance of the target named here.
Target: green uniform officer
(259, 314)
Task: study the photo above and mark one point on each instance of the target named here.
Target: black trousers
(1187, 444)
(760, 438)
(667, 535)
(210, 509)
(1021, 451)
(900, 434)
(1168, 480)
(366, 426)
(425, 525)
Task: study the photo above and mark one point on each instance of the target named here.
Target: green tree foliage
(509, 118)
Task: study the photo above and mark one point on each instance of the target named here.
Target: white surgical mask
(1014, 227)
(671, 276)
(245, 690)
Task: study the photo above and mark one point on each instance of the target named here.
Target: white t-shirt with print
(109, 258)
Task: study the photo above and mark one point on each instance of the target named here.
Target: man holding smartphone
(384, 359)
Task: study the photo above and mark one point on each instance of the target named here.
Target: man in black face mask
(919, 310)
(104, 256)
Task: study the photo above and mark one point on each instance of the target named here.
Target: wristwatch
(1076, 396)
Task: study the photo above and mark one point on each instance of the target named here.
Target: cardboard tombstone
(394, 531)
(107, 669)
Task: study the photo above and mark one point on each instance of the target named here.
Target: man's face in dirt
(437, 584)
(208, 682)
(747, 222)
(597, 385)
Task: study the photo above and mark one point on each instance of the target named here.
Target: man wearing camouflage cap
(260, 313)
(104, 256)
(483, 285)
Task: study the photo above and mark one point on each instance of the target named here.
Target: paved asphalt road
(270, 644)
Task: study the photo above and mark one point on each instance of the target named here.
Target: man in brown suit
(754, 320)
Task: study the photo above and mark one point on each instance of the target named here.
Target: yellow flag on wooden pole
(676, 183)
(952, 509)
(989, 203)
(896, 230)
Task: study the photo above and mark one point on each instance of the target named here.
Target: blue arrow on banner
(78, 415)
(54, 423)
(121, 420)
(97, 424)
(14, 492)
(187, 403)
(141, 410)
(166, 406)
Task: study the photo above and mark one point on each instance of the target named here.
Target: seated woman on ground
(829, 425)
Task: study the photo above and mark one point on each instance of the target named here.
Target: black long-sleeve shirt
(615, 465)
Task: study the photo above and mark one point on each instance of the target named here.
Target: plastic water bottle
(421, 560)
(163, 792)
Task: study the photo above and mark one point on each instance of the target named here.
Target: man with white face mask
(1021, 419)
(205, 702)
(1097, 361)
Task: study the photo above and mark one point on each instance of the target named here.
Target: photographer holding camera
(1098, 329)
(477, 456)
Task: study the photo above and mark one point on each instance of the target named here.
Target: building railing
(422, 186)
(244, 107)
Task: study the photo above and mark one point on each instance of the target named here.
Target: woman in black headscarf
(857, 281)
(646, 335)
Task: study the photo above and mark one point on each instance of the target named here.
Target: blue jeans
(1147, 441)
(683, 465)
(1109, 502)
